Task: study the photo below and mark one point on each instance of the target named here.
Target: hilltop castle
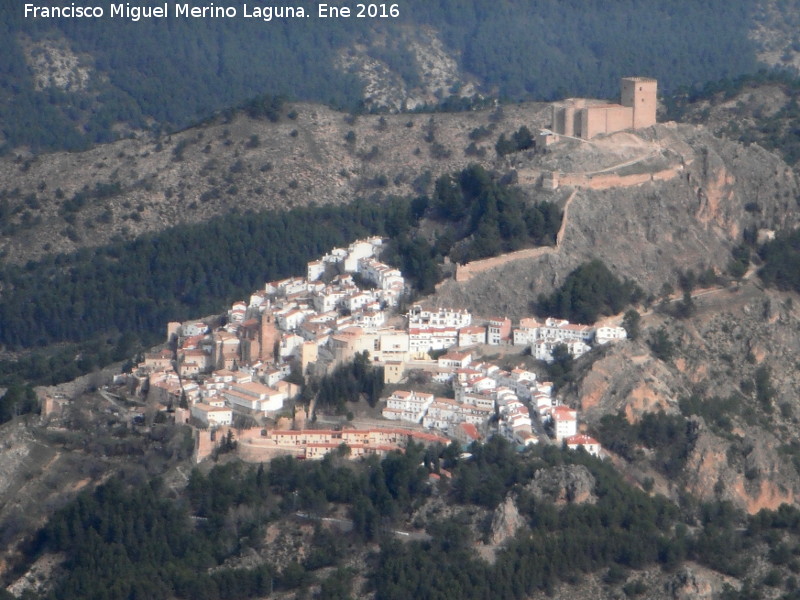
(584, 118)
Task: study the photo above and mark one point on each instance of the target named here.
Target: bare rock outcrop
(748, 472)
(693, 584)
(567, 484)
(630, 380)
(506, 521)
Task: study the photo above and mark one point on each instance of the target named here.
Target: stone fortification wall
(263, 450)
(469, 270)
(596, 120)
(204, 444)
(611, 180)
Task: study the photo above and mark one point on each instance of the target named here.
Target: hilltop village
(238, 379)
(240, 376)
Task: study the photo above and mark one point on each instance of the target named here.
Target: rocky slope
(312, 155)
(684, 205)
(774, 31)
(433, 70)
(742, 445)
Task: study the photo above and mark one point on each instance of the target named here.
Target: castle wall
(618, 118)
(567, 120)
(611, 180)
(469, 270)
(567, 117)
(589, 123)
(604, 119)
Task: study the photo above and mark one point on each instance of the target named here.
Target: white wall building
(471, 335)
(212, 416)
(424, 339)
(315, 269)
(591, 445)
(604, 335)
(527, 332)
(565, 422)
(562, 330)
(441, 317)
(407, 406)
(542, 349)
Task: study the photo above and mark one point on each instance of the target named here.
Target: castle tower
(269, 336)
(639, 93)
(309, 353)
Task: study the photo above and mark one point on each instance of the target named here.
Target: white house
(382, 275)
(327, 300)
(358, 300)
(527, 332)
(498, 330)
(407, 406)
(562, 330)
(291, 320)
(257, 299)
(370, 320)
(471, 335)
(542, 349)
(315, 270)
(603, 335)
(212, 416)
(455, 360)
(289, 343)
(482, 401)
(565, 422)
(442, 413)
(591, 445)
(441, 317)
(192, 329)
(425, 339)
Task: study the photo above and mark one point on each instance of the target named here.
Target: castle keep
(584, 118)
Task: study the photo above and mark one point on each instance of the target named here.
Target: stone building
(585, 118)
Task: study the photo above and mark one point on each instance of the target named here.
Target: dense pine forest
(131, 540)
(168, 73)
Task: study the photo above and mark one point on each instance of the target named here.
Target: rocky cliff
(743, 440)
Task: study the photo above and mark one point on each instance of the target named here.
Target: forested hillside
(760, 108)
(129, 541)
(170, 72)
